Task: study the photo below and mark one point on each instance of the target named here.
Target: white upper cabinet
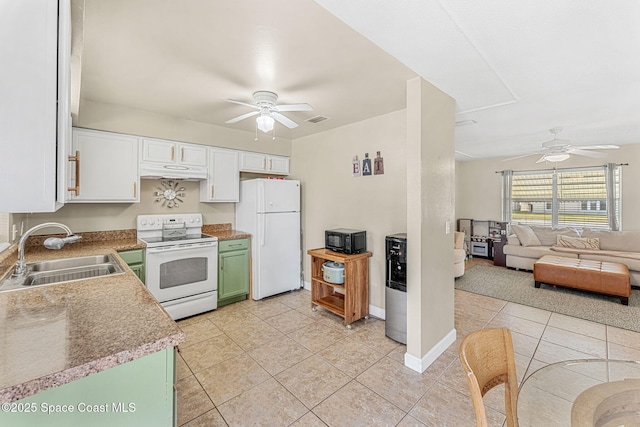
(170, 152)
(263, 163)
(35, 119)
(104, 169)
(223, 179)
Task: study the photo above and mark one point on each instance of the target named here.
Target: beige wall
(478, 187)
(116, 216)
(430, 206)
(333, 198)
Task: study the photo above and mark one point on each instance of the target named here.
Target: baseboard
(377, 312)
(421, 365)
(307, 285)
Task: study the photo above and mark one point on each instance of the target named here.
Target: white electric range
(181, 267)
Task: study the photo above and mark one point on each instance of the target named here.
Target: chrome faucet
(50, 243)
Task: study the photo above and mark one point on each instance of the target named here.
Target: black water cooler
(396, 287)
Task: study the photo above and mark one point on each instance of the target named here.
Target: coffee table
(609, 278)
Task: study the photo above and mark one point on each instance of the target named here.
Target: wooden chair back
(488, 360)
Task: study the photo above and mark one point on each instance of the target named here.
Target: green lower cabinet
(233, 271)
(135, 261)
(134, 394)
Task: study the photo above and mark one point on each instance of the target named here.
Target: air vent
(317, 119)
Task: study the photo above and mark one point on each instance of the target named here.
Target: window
(578, 198)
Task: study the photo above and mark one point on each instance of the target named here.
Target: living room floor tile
(595, 347)
(517, 324)
(580, 326)
(551, 353)
(617, 351)
(623, 337)
(526, 312)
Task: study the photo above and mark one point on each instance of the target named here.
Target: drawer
(133, 257)
(233, 245)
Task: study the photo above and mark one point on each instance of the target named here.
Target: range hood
(159, 170)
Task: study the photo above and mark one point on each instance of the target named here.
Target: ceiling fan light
(556, 157)
(265, 123)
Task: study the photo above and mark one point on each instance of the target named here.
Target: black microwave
(345, 241)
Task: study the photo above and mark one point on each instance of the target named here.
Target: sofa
(526, 244)
(459, 254)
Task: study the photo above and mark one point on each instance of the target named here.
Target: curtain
(507, 179)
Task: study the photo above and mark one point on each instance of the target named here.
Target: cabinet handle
(264, 163)
(270, 164)
(173, 153)
(222, 264)
(76, 159)
(182, 154)
(213, 191)
(135, 189)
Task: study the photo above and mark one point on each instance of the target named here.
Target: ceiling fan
(558, 150)
(264, 102)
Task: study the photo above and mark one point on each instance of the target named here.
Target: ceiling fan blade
(242, 103)
(284, 120)
(293, 107)
(542, 159)
(242, 117)
(519, 157)
(586, 153)
(596, 147)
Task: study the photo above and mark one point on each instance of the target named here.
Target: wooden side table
(349, 300)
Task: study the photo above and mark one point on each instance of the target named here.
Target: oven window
(183, 272)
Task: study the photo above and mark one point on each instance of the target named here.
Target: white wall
(333, 198)
(478, 186)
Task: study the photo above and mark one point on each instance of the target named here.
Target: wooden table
(349, 300)
(586, 392)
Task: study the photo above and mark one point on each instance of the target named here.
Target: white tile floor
(276, 363)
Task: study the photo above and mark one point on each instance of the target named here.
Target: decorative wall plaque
(169, 193)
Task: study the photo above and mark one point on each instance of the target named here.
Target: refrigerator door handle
(263, 226)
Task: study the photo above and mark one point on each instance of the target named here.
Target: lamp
(265, 122)
(560, 157)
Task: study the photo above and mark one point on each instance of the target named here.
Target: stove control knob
(190, 219)
(143, 222)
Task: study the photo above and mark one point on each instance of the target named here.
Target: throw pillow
(526, 235)
(578, 242)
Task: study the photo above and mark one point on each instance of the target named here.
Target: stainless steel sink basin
(64, 270)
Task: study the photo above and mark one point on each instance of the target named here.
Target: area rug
(518, 286)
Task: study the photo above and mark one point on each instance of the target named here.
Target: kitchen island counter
(56, 334)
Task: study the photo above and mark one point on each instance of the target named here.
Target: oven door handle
(180, 248)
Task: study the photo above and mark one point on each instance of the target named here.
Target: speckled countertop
(224, 232)
(52, 335)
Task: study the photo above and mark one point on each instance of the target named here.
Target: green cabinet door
(233, 271)
(135, 261)
(134, 394)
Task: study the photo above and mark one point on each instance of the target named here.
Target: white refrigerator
(269, 209)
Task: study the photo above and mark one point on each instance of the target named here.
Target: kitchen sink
(64, 270)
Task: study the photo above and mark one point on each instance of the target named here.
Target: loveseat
(526, 244)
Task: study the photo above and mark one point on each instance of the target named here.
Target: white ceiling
(516, 68)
